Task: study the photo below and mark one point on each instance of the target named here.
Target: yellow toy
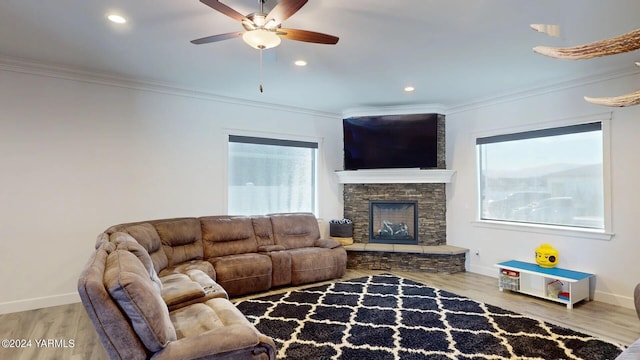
(546, 256)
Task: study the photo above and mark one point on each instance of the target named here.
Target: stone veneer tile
(430, 263)
(432, 204)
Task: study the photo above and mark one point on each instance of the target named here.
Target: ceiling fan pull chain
(261, 88)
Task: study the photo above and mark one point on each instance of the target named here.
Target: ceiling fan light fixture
(261, 39)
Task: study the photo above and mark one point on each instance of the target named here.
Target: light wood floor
(71, 323)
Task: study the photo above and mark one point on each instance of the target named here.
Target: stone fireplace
(430, 200)
(425, 190)
(428, 253)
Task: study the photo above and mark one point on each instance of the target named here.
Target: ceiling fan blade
(214, 38)
(308, 36)
(282, 11)
(216, 5)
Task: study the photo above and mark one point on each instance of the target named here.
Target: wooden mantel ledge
(413, 249)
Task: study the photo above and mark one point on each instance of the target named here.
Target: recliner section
(159, 289)
(125, 301)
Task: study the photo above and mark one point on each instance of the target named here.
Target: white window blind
(271, 175)
(549, 176)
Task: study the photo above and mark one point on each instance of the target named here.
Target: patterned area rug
(388, 317)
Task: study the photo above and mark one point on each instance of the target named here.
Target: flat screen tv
(391, 141)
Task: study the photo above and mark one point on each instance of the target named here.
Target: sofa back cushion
(227, 235)
(101, 239)
(115, 332)
(124, 241)
(295, 230)
(147, 236)
(263, 230)
(128, 283)
(181, 239)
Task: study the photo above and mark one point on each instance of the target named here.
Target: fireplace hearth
(393, 222)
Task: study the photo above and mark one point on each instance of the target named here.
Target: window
(271, 175)
(551, 176)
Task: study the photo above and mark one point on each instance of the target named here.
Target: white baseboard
(609, 298)
(38, 303)
(484, 270)
(614, 299)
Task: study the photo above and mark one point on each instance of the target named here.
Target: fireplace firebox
(393, 222)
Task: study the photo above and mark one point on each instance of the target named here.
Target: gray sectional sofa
(159, 289)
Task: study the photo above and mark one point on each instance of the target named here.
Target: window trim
(568, 231)
(270, 138)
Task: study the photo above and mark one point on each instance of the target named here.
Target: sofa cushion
(263, 230)
(181, 239)
(192, 287)
(101, 239)
(124, 241)
(216, 330)
(185, 267)
(179, 288)
(201, 278)
(227, 235)
(195, 319)
(295, 230)
(129, 285)
(148, 237)
(244, 273)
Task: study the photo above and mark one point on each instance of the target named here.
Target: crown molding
(490, 100)
(541, 90)
(31, 67)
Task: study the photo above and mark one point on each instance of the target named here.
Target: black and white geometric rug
(389, 317)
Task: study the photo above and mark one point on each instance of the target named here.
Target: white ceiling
(453, 51)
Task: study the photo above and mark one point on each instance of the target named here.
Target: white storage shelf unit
(532, 279)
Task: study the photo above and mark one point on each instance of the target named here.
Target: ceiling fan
(264, 31)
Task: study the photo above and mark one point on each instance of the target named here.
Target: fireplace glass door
(393, 222)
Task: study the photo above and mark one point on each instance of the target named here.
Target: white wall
(615, 262)
(78, 156)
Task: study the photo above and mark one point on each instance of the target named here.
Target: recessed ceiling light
(409, 89)
(118, 19)
(300, 62)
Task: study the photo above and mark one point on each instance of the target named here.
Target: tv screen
(391, 141)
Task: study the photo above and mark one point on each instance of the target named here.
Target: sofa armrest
(327, 243)
(223, 340)
(270, 248)
(636, 299)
